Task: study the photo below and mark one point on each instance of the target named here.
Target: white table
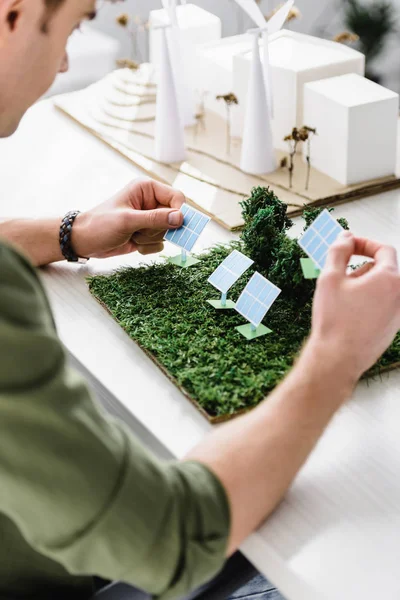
(337, 533)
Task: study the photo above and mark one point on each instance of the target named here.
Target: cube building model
(215, 68)
(295, 60)
(197, 27)
(356, 121)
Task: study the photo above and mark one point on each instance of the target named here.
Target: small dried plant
(133, 26)
(230, 100)
(294, 14)
(296, 137)
(308, 134)
(293, 140)
(346, 37)
(200, 115)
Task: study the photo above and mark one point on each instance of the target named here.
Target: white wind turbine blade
(169, 133)
(274, 25)
(170, 7)
(185, 93)
(279, 19)
(253, 11)
(257, 157)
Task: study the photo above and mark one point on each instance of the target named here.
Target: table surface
(337, 532)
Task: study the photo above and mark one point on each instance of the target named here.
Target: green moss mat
(164, 309)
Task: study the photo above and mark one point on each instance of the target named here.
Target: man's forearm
(257, 457)
(37, 239)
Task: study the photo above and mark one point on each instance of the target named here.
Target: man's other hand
(136, 219)
(357, 316)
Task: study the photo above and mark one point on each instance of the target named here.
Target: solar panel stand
(222, 303)
(309, 268)
(250, 332)
(186, 236)
(178, 262)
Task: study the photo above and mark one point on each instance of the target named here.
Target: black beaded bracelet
(65, 238)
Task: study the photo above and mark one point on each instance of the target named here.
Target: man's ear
(10, 11)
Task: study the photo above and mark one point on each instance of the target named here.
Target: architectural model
(223, 365)
(166, 118)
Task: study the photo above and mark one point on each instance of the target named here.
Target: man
(79, 496)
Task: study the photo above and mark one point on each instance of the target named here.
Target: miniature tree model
(265, 221)
(132, 27)
(309, 132)
(230, 100)
(346, 37)
(304, 134)
(293, 140)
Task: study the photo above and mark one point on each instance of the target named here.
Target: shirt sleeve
(78, 485)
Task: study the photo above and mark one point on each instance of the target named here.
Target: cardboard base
(189, 262)
(250, 334)
(210, 177)
(310, 271)
(217, 304)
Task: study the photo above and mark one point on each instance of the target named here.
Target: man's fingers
(340, 253)
(160, 219)
(144, 238)
(363, 270)
(156, 193)
(151, 248)
(382, 254)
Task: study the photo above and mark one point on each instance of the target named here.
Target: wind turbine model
(267, 28)
(258, 155)
(184, 91)
(169, 130)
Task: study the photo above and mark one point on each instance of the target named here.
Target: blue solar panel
(256, 299)
(319, 237)
(193, 224)
(229, 271)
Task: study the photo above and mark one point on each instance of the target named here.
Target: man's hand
(136, 219)
(357, 316)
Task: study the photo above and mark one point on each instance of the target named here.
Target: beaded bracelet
(65, 238)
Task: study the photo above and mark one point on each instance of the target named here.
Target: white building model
(219, 66)
(165, 116)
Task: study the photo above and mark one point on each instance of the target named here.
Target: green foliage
(310, 214)
(265, 198)
(265, 223)
(373, 22)
(287, 273)
(165, 310)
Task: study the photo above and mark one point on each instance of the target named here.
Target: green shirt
(79, 495)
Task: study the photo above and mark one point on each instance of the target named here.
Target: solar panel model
(254, 302)
(186, 236)
(317, 240)
(226, 275)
